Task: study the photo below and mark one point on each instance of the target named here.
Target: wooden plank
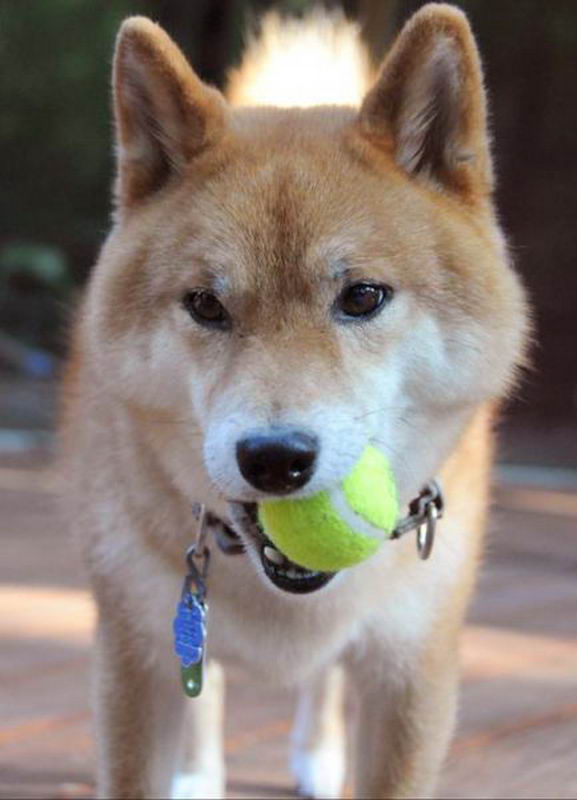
(518, 721)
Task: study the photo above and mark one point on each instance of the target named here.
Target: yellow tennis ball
(340, 527)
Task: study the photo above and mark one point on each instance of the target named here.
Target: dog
(288, 279)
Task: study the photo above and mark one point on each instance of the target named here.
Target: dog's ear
(428, 108)
(165, 115)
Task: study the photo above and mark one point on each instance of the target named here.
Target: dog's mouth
(279, 569)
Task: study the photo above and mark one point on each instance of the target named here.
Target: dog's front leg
(139, 712)
(201, 771)
(406, 719)
(318, 741)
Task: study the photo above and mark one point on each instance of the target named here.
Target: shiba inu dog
(282, 286)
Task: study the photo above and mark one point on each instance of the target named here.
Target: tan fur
(274, 209)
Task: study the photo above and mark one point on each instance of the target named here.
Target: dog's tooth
(294, 573)
(273, 555)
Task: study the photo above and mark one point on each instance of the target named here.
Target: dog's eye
(206, 309)
(363, 299)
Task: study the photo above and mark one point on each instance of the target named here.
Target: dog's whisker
(377, 411)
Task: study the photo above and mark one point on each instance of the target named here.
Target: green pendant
(192, 679)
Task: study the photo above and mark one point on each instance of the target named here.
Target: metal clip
(197, 559)
(424, 512)
(426, 532)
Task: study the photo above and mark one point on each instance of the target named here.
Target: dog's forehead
(275, 211)
(293, 205)
(291, 217)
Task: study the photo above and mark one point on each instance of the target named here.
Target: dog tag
(189, 624)
(189, 629)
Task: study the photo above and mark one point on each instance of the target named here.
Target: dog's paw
(198, 786)
(319, 773)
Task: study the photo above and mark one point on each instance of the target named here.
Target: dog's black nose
(277, 462)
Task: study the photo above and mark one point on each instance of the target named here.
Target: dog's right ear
(427, 108)
(165, 115)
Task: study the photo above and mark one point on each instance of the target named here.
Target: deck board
(517, 730)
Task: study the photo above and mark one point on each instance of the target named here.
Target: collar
(424, 512)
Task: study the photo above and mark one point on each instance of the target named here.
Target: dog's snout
(277, 462)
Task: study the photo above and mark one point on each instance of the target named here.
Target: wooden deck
(517, 735)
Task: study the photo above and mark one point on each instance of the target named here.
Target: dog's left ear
(165, 115)
(428, 108)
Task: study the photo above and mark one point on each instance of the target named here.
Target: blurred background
(55, 172)
(56, 168)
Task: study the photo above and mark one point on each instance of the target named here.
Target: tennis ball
(340, 527)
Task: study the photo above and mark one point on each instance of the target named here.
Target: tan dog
(282, 286)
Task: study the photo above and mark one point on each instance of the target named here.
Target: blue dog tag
(189, 624)
(189, 630)
(189, 627)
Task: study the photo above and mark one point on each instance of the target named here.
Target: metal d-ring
(426, 532)
(198, 557)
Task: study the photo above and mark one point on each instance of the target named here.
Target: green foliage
(296, 6)
(35, 287)
(55, 122)
(40, 263)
